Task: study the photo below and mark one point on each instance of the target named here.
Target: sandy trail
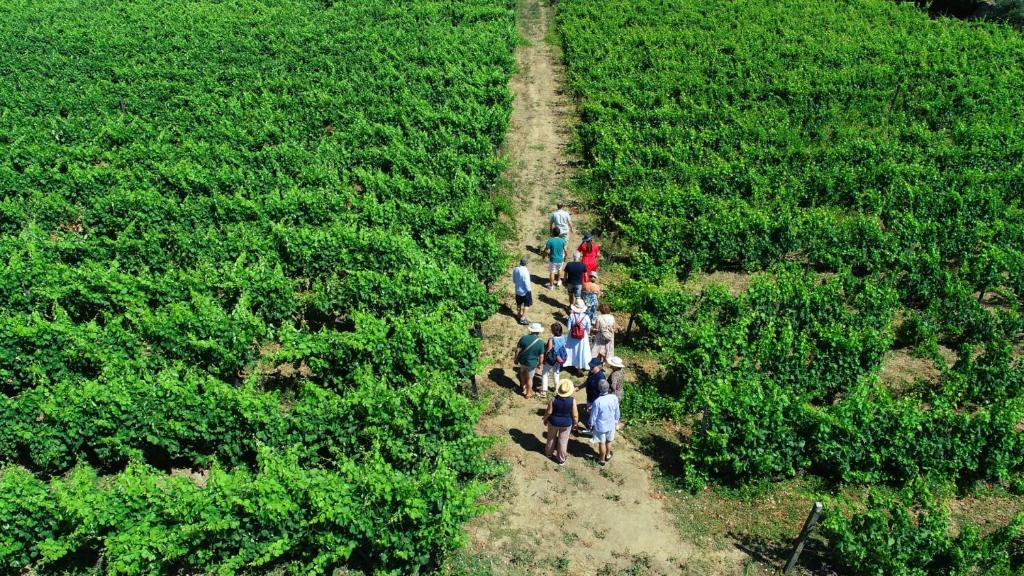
(581, 518)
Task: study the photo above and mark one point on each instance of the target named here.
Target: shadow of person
(580, 447)
(506, 310)
(528, 442)
(499, 377)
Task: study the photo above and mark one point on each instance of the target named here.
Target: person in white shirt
(563, 221)
(524, 296)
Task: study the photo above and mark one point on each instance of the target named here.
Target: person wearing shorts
(574, 273)
(604, 417)
(555, 249)
(562, 220)
(529, 351)
(524, 296)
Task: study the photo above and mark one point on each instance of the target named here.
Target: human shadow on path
(528, 442)
(506, 310)
(499, 377)
(579, 446)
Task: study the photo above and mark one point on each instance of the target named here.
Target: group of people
(569, 346)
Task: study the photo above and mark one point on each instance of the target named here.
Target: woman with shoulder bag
(554, 357)
(604, 333)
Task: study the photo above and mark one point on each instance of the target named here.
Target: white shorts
(599, 437)
(555, 267)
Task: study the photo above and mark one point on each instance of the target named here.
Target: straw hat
(536, 328)
(565, 388)
(616, 362)
(578, 306)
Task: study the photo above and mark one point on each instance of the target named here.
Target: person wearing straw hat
(560, 418)
(603, 418)
(577, 345)
(528, 352)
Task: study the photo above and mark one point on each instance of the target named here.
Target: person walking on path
(560, 418)
(524, 295)
(603, 417)
(555, 249)
(577, 345)
(589, 252)
(528, 352)
(575, 272)
(554, 357)
(604, 333)
(591, 291)
(562, 220)
(594, 378)
(617, 377)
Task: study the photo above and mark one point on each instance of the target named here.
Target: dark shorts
(525, 300)
(575, 290)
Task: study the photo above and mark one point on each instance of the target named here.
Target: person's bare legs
(526, 381)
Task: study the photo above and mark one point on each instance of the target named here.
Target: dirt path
(580, 518)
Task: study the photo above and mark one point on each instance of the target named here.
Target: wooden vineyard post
(478, 332)
(812, 519)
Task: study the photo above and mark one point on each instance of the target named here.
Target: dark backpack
(556, 356)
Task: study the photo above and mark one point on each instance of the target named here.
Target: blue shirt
(604, 413)
(521, 278)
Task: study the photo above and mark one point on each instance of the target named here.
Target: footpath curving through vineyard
(580, 518)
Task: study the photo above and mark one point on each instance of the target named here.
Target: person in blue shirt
(604, 416)
(524, 296)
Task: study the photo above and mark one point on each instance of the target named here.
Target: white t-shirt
(561, 218)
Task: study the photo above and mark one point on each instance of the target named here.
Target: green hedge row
(248, 238)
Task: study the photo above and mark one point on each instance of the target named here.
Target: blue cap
(596, 362)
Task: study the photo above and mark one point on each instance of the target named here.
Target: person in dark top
(574, 272)
(592, 382)
(560, 417)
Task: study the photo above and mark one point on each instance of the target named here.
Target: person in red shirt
(590, 253)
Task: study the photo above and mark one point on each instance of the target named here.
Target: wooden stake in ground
(812, 519)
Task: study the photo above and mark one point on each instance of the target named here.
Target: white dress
(578, 351)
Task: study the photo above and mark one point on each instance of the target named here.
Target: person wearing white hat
(617, 376)
(560, 418)
(577, 345)
(528, 352)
